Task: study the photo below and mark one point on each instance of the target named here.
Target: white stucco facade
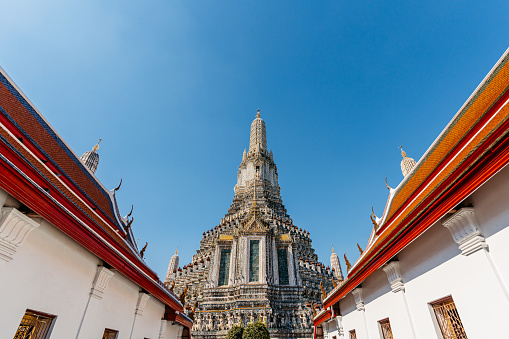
(433, 267)
(51, 273)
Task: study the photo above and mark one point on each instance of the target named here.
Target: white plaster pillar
(291, 267)
(395, 278)
(275, 267)
(263, 260)
(14, 230)
(465, 231)
(162, 330)
(215, 270)
(142, 302)
(246, 260)
(339, 326)
(233, 260)
(359, 302)
(101, 281)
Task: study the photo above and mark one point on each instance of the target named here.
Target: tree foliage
(257, 330)
(235, 332)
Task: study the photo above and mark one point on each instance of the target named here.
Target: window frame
(381, 324)
(110, 330)
(434, 317)
(45, 315)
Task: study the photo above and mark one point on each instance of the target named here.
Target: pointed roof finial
(96, 147)
(258, 113)
(403, 153)
(177, 250)
(332, 248)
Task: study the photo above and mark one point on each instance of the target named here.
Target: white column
(275, 268)
(466, 233)
(359, 302)
(233, 260)
(162, 330)
(396, 280)
(291, 266)
(213, 275)
(246, 260)
(263, 261)
(142, 302)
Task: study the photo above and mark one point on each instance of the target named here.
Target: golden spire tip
(258, 113)
(403, 153)
(96, 147)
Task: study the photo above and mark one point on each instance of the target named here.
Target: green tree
(257, 330)
(235, 332)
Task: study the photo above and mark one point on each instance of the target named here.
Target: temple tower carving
(256, 264)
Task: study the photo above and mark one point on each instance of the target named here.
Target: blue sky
(172, 87)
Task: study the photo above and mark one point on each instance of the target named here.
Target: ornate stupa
(407, 163)
(256, 264)
(335, 265)
(91, 158)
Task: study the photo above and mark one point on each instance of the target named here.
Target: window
(385, 328)
(224, 267)
(353, 335)
(448, 319)
(110, 334)
(282, 261)
(254, 260)
(34, 325)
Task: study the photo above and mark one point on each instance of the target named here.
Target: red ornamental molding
(470, 175)
(16, 184)
(324, 316)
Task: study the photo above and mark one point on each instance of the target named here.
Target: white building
(436, 263)
(69, 265)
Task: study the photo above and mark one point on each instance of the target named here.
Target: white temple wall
(43, 276)
(352, 318)
(491, 203)
(51, 273)
(433, 267)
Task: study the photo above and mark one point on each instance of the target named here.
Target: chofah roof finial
(407, 164)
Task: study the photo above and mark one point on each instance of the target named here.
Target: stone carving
(465, 231)
(142, 302)
(359, 302)
(14, 229)
(394, 276)
(101, 280)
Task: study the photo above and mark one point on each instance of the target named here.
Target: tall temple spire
(335, 265)
(258, 140)
(173, 266)
(91, 158)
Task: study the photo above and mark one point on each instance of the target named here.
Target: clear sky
(172, 87)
